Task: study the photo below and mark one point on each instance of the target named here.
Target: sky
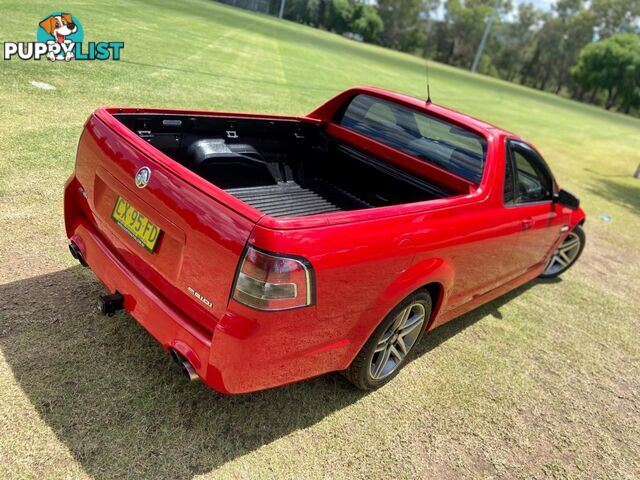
(541, 4)
(544, 4)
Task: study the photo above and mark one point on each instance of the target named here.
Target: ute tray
(289, 199)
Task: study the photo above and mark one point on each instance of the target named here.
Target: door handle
(527, 223)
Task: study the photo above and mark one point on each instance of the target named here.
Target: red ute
(262, 250)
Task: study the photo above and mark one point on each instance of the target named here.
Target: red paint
(365, 262)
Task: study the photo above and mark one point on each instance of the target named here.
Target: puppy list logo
(60, 37)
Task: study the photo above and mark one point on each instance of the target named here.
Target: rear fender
(432, 270)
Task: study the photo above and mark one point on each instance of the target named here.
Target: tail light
(269, 281)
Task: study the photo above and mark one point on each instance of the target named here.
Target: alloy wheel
(564, 256)
(397, 341)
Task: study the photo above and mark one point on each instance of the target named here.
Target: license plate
(139, 227)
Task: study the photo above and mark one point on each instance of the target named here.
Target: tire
(369, 370)
(554, 268)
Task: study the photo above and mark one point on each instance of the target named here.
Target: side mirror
(567, 199)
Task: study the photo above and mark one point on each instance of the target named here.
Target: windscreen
(436, 141)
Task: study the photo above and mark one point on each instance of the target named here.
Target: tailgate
(194, 259)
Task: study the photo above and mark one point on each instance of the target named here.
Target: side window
(419, 134)
(381, 113)
(533, 182)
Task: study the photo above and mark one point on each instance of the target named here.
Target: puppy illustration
(59, 27)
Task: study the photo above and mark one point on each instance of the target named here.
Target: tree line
(588, 50)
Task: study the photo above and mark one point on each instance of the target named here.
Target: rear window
(430, 139)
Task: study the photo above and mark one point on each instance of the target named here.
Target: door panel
(529, 188)
(480, 244)
(540, 229)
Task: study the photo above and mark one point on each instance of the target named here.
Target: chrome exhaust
(185, 366)
(77, 254)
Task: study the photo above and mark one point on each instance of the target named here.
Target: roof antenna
(428, 82)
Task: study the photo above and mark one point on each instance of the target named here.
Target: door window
(527, 177)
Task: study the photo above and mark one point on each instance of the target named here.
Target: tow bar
(110, 304)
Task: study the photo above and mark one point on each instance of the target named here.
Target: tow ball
(110, 304)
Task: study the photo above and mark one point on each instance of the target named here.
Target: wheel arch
(436, 292)
(434, 275)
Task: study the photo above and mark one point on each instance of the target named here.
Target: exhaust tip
(77, 254)
(185, 366)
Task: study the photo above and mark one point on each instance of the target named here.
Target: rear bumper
(167, 324)
(247, 350)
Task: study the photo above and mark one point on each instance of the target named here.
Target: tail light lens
(268, 281)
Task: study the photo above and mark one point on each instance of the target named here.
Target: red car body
(466, 249)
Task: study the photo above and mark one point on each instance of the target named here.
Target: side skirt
(487, 297)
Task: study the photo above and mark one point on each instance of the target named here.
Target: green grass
(541, 383)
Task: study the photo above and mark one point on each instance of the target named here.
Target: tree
(301, 11)
(366, 22)
(513, 42)
(544, 64)
(615, 16)
(612, 65)
(564, 32)
(403, 29)
(351, 16)
(339, 15)
(577, 24)
(464, 25)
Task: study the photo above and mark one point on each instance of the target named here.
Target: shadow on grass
(623, 194)
(444, 332)
(114, 398)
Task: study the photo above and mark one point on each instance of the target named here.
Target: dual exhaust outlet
(185, 366)
(109, 304)
(77, 254)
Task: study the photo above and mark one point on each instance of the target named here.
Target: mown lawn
(541, 383)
